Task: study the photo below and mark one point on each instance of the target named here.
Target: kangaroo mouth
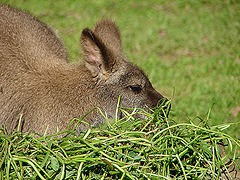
(163, 108)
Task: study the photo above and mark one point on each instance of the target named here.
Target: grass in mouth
(153, 148)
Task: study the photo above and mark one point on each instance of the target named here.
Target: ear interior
(93, 56)
(99, 58)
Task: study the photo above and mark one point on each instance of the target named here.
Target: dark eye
(135, 88)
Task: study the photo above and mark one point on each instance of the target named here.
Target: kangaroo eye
(135, 88)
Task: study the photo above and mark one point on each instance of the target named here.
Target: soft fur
(39, 85)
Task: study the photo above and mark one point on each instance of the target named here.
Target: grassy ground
(152, 148)
(189, 49)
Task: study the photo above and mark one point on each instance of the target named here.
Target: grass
(153, 148)
(189, 49)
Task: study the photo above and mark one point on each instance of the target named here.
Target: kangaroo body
(39, 85)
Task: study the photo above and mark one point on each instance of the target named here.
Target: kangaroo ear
(98, 59)
(109, 33)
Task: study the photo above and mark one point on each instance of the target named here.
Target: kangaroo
(38, 84)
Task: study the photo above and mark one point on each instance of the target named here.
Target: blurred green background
(190, 50)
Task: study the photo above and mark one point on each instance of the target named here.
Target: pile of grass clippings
(153, 148)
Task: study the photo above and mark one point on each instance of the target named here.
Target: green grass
(153, 148)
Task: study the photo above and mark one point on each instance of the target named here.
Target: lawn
(190, 50)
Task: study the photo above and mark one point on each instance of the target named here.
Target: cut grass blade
(129, 148)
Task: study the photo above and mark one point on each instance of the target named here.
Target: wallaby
(39, 85)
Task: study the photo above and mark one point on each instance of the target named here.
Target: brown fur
(38, 83)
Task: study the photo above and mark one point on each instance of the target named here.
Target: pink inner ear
(98, 65)
(95, 60)
(94, 55)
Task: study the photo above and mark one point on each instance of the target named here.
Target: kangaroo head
(113, 74)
